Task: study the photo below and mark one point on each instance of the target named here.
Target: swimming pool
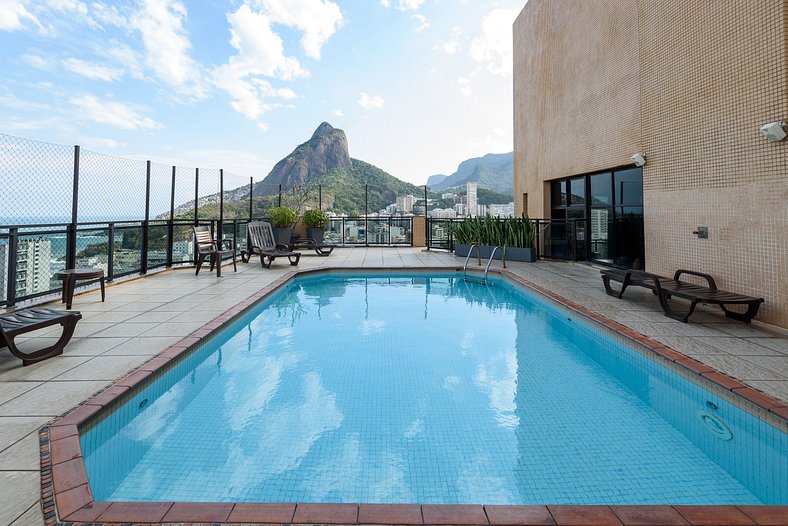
(429, 389)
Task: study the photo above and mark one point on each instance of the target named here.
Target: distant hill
(435, 180)
(494, 171)
(323, 161)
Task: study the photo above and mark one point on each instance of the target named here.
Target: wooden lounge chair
(666, 288)
(32, 319)
(206, 246)
(310, 244)
(263, 243)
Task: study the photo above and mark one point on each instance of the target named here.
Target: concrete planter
(512, 253)
(316, 234)
(282, 235)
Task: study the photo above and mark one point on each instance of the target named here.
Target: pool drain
(143, 404)
(719, 428)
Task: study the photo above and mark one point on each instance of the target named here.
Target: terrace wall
(690, 84)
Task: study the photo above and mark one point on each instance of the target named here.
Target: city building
(501, 210)
(687, 84)
(472, 202)
(460, 209)
(442, 213)
(405, 203)
(33, 272)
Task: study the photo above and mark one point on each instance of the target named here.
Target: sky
(417, 85)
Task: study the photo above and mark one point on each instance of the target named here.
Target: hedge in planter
(316, 222)
(282, 220)
(516, 235)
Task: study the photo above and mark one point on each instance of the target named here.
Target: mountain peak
(323, 129)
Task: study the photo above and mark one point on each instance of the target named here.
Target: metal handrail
(479, 256)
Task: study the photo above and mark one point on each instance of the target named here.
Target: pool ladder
(479, 256)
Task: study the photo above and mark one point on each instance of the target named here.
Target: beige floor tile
(126, 330)
(45, 370)
(23, 455)
(50, 399)
(14, 428)
(143, 346)
(10, 390)
(20, 492)
(32, 517)
(103, 368)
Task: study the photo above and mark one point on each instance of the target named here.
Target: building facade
(687, 83)
(472, 203)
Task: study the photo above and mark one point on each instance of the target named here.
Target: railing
(554, 239)
(31, 255)
(370, 231)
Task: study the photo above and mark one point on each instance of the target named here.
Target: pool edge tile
(404, 514)
(512, 515)
(584, 515)
(455, 514)
(714, 515)
(649, 516)
(308, 513)
(267, 513)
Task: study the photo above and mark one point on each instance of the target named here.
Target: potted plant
(315, 221)
(282, 220)
(515, 235)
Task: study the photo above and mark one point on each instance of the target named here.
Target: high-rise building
(470, 189)
(405, 203)
(33, 259)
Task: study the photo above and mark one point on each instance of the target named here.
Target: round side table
(70, 277)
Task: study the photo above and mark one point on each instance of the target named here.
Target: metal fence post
(196, 193)
(111, 253)
(251, 200)
(221, 204)
(320, 196)
(146, 223)
(366, 214)
(280, 196)
(426, 220)
(170, 226)
(71, 244)
(13, 243)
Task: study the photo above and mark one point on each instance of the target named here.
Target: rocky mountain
(494, 171)
(323, 161)
(326, 151)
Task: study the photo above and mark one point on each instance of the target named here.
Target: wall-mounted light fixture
(774, 131)
(639, 159)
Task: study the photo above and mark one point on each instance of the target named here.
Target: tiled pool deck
(145, 317)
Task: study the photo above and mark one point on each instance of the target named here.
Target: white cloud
(13, 13)
(260, 54)
(124, 57)
(167, 45)
(465, 86)
(109, 15)
(91, 70)
(492, 50)
(37, 61)
(422, 24)
(317, 19)
(385, 3)
(406, 5)
(338, 113)
(370, 102)
(111, 113)
(452, 46)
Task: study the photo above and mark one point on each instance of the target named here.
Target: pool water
(414, 389)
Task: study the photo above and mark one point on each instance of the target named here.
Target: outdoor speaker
(774, 131)
(639, 159)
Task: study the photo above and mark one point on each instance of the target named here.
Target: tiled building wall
(688, 82)
(712, 73)
(576, 92)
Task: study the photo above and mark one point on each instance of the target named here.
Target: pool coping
(67, 498)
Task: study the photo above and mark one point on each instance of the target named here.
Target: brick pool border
(66, 497)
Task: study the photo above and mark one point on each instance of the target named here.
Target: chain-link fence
(65, 207)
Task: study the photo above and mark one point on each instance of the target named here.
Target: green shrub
(315, 219)
(282, 217)
(495, 231)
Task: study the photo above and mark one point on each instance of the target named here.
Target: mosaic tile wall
(689, 83)
(575, 92)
